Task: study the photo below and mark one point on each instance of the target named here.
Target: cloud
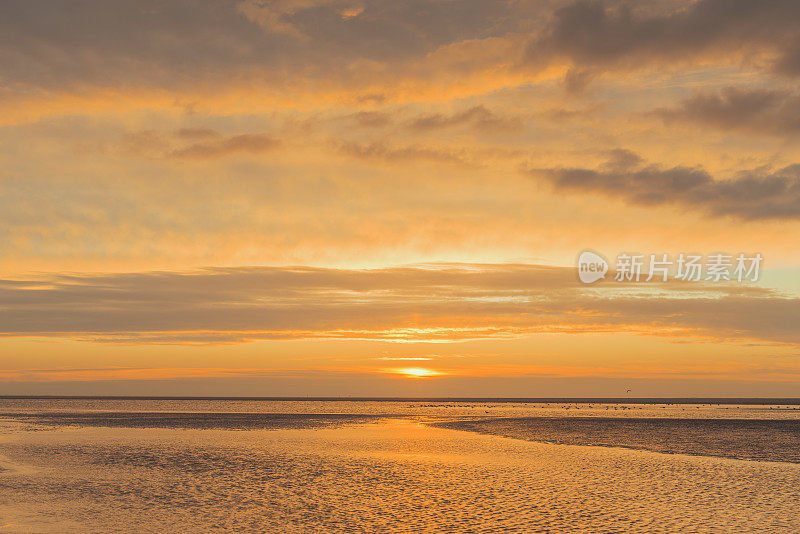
(244, 143)
(189, 45)
(750, 195)
(203, 143)
(371, 119)
(767, 111)
(368, 50)
(197, 133)
(445, 302)
(596, 36)
(478, 118)
(324, 51)
(381, 151)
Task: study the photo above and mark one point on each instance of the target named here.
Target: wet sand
(316, 473)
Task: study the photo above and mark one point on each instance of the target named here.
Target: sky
(313, 197)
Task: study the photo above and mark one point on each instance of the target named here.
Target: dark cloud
(596, 36)
(201, 44)
(749, 195)
(576, 80)
(447, 301)
(759, 110)
(398, 30)
(73, 44)
(621, 159)
(99, 43)
(789, 63)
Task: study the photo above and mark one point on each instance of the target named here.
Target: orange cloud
(447, 303)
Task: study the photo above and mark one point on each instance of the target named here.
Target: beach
(384, 467)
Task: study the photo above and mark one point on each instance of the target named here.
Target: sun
(417, 372)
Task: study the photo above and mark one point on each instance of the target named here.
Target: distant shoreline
(532, 400)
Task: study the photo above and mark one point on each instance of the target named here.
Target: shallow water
(744, 439)
(166, 466)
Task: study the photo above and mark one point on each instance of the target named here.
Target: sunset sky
(312, 197)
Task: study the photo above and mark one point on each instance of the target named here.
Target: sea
(399, 465)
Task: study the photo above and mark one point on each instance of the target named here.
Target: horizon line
(535, 400)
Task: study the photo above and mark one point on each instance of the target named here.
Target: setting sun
(417, 372)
